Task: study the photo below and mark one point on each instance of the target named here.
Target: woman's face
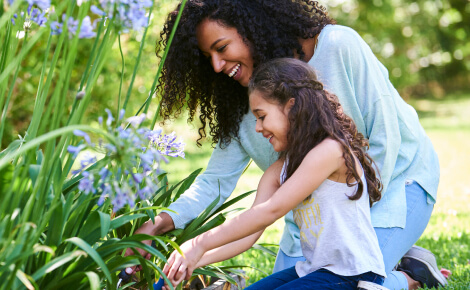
(226, 50)
(271, 119)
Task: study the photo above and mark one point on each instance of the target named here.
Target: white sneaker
(365, 285)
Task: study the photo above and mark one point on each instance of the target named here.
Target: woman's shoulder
(338, 37)
(336, 32)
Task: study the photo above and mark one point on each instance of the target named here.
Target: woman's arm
(318, 165)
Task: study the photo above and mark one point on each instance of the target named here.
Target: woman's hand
(179, 268)
(163, 223)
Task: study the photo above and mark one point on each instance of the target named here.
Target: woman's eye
(261, 118)
(222, 48)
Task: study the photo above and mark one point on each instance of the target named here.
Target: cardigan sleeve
(220, 177)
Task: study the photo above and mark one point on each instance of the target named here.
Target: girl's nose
(218, 64)
(258, 126)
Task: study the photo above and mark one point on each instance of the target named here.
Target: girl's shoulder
(273, 172)
(329, 148)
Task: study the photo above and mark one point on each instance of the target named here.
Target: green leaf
(34, 172)
(105, 222)
(218, 220)
(94, 280)
(56, 226)
(15, 145)
(25, 279)
(117, 222)
(90, 232)
(56, 263)
(6, 175)
(187, 183)
(197, 222)
(264, 249)
(232, 201)
(93, 254)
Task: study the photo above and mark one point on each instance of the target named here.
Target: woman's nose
(218, 64)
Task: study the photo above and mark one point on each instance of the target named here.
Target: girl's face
(226, 50)
(271, 119)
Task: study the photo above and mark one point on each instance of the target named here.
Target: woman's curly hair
(315, 116)
(271, 29)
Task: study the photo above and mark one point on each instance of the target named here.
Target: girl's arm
(321, 162)
(269, 183)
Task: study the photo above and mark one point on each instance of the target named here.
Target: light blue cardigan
(399, 146)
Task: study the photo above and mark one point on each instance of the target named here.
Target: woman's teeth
(234, 71)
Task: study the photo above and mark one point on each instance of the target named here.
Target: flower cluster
(129, 14)
(36, 15)
(86, 30)
(131, 164)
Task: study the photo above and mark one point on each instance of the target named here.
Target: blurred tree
(422, 43)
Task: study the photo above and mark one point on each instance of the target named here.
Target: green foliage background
(422, 43)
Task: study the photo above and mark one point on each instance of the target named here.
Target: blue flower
(97, 11)
(80, 133)
(38, 17)
(74, 150)
(87, 160)
(135, 121)
(110, 119)
(145, 193)
(121, 114)
(43, 4)
(56, 28)
(86, 30)
(104, 172)
(86, 183)
(130, 14)
(106, 192)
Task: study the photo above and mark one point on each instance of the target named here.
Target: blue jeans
(394, 242)
(320, 279)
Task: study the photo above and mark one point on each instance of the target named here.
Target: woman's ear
(290, 103)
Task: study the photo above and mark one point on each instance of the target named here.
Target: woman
(217, 45)
(322, 174)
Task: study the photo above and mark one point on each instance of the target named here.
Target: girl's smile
(226, 50)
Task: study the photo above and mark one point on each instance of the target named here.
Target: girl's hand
(179, 267)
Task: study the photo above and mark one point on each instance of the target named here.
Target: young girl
(323, 174)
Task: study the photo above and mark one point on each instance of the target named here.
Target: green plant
(54, 232)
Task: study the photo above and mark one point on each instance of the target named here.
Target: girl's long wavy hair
(315, 116)
(271, 29)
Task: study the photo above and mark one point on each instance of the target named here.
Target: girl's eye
(261, 118)
(222, 48)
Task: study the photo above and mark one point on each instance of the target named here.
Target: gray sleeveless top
(336, 233)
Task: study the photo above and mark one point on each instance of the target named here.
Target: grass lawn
(447, 235)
